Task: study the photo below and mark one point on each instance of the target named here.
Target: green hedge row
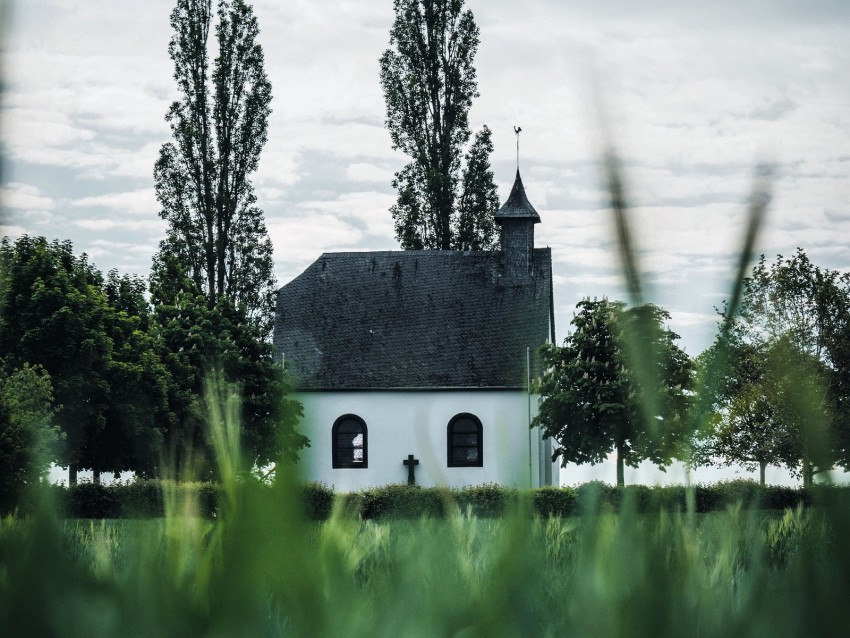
(147, 499)
(138, 499)
(402, 501)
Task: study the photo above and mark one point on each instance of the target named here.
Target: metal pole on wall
(528, 389)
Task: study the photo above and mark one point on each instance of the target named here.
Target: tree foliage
(108, 380)
(202, 178)
(429, 82)
(28, 437)
(212, 285)
(476, 225)
(743, 427)
(54, 316)
(199, 342)
(594, 401)
(786, 403)
(139, 410)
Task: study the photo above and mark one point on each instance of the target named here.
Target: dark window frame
(335, 448)
(451, 446)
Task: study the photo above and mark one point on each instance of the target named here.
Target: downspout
(528, 393)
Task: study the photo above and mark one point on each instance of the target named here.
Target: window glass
(349, 442)
(465, 441)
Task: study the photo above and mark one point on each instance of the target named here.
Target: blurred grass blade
(224, 407)
(625, 243)
(715, 373)
(759, 201)
(638, 328)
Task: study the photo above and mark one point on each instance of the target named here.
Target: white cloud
(683, 318)
(106, 246)
(13, 232)
(367, 209)
(101, 224)
(138, 202)
(304, 238)
(269, 194)
(363, 172)
(24, 197)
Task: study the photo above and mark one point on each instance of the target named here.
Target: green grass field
(261, 570)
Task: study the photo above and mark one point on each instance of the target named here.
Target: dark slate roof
(412, 319)
(517, 206)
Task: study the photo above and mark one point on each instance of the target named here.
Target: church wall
(415, 422)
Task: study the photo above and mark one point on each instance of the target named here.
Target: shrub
(549, 502)
(318, 501)
(483, 501)
(595, 496)
(402, 501)
(142, 499)
(92, 500)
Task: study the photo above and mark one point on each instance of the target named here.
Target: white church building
(414, 365)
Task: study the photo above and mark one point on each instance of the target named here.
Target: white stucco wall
(414, 422)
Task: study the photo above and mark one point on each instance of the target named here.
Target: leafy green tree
(139, 412)
(28, 437)
(202, 178)
(429, 82)
(126, 293)
(795, 319)
(108, 379)
(744, 426)
(54, 315)
(199, 343)
(594, 402)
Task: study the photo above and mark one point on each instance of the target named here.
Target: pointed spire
(517, 206)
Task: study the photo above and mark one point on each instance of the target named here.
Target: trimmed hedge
(145, 499)
(411, 501)
(402, 501)
(139, 499)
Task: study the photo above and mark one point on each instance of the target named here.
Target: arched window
(465, 445)
(350, 447)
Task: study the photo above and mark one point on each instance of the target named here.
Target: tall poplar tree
(212, 282)
(429, 82)
(202, 178)
(476, 225)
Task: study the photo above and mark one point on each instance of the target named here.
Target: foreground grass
(261, 569)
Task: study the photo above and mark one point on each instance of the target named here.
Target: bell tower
(516, 218)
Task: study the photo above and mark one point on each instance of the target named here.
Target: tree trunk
(96, 477)
(808, 473)
(762, 467)
(621, 470)
(72, 474)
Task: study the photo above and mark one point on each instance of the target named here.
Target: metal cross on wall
(410, 462)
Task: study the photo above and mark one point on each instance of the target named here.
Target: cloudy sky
(693, 94)
(693, 98)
